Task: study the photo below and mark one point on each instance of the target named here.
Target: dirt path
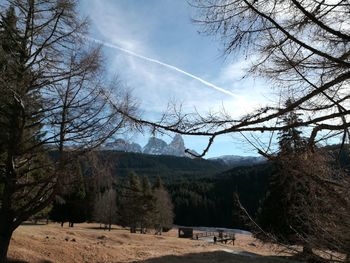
(87, 243)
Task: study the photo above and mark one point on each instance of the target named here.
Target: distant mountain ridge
(176, 147)
(154, 146)
(123, 146)
(236, 160)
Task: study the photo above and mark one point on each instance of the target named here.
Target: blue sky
(162, 31)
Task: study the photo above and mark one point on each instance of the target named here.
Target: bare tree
(307, 204)
(104, 181)
(163, 214)
(301, 46)
(105, 209)
(52, 98)
(323, 207)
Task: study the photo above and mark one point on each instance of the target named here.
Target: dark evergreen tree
(76, 197)
(71, 205)
(300, 206)
(131, 203)
(59, 211)
(290, 138)
(276, 215)
(147, 205)
(158, 183)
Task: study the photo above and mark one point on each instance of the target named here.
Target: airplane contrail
(211, 85)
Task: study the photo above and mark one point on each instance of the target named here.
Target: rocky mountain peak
(155, 146)
(123, 146)
(177, 141)
(177, 146)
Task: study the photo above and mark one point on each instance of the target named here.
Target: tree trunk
(5, 237)
(307, 253)
(307, 250)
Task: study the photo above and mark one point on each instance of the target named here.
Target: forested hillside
(210, 201)
(169, 168)
(202, 191)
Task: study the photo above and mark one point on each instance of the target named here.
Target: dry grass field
(88, 243)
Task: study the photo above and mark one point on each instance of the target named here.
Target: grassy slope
(86, 243)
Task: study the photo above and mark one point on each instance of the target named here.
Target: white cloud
(113, 24)
(234, 72)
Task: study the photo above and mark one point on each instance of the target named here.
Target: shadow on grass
(217, 257)
(29, 223)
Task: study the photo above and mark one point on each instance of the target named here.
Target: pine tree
(277, 214)
(158, 183)
(76, 196)
(70, 205)
(147, 205)
(131, 207)
(290, 138)
(301, 207)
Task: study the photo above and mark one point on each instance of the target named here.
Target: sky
(156, 50)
